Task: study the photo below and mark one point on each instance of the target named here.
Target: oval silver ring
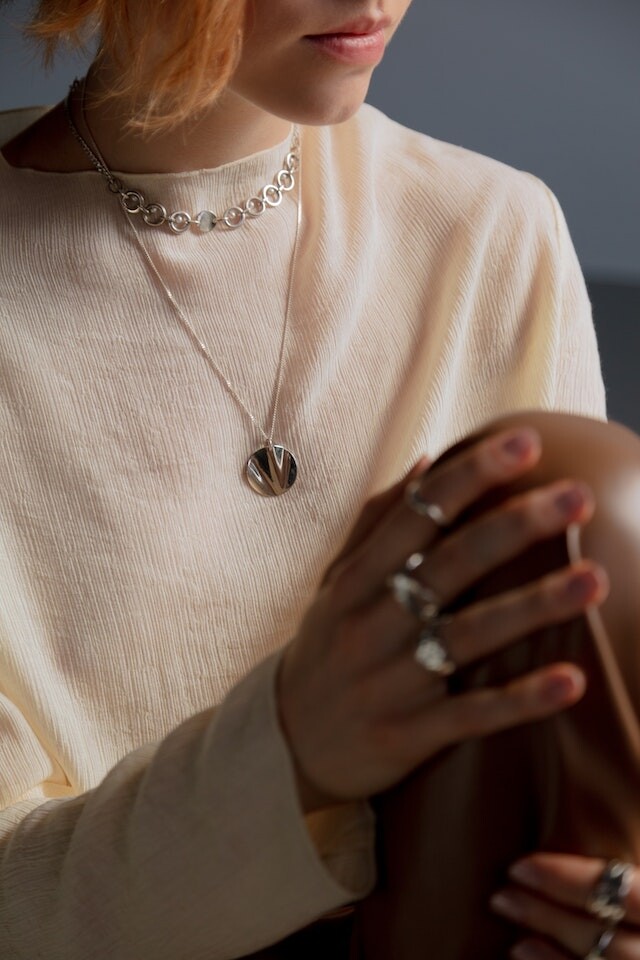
(154, 214)
(179, 221)
(431, 652)
(233, 217)
(285, 180)
(255, 207)
(132, 201)
(607, 900)
(292, 162)
(422, 507)
(272, 195)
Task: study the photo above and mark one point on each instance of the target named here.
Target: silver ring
(422, 507)
(601, 944)
(432, 652)
(607, 900)
(416, 598)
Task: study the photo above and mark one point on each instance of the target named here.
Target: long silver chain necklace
(272, 469)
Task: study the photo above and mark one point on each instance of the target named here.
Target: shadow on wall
(616, 308)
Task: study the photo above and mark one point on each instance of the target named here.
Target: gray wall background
(551, 86)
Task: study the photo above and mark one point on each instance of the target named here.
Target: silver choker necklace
(155, 214)
(272, 469)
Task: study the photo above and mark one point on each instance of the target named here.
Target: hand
(357, 711)
(550, 900)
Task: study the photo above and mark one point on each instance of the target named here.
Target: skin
(358, 713)
(281, 78)
(376, 715)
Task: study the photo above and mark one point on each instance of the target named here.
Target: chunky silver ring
(414, 597)
(607, 900)
(601, 944)
(422, 507)
(432, 652)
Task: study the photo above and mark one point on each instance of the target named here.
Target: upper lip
(360, 27)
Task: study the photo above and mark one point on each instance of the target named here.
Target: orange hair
(202, 40)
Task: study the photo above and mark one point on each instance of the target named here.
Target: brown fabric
(328, 939)
(571, 783)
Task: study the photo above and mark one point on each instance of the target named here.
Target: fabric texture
(149, 806)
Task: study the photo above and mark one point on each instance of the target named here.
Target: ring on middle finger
(413, 596)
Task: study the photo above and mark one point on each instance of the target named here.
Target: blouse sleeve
(194, 847)
(579, 386)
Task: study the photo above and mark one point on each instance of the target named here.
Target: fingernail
(506, 905)
(560, 690)
(524, 872)
(582, 586)
(526, 951)
(570, 501)
(517, 446)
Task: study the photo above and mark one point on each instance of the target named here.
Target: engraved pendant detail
(271, 470)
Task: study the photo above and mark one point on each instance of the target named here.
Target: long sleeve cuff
(195, 847)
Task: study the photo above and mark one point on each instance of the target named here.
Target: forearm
(194, 848)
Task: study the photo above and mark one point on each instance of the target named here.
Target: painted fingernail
(517, 445)
(582, 586)
(527, 951)
(507, 905)
(570, 501)
(524, 872)
(559, 690)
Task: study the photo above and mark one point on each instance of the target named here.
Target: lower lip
(365, 48)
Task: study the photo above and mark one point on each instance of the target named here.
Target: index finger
(452, 486)
(570, 880)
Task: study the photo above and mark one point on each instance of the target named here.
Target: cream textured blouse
(148, 802)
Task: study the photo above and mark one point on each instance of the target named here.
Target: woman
(179, 780)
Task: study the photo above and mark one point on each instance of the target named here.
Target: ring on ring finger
(432, 651)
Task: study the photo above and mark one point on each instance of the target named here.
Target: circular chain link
(155, 214)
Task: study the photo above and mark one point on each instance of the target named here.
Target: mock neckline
(255, 164)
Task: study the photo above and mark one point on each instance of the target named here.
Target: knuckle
(352, 632)
(523, 518)
(384, 742)
(459, 482)
(624, 947)
(474, 715)
(469, 631)
(541, 602)
(346, 583)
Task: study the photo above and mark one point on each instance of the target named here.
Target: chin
(323, 107)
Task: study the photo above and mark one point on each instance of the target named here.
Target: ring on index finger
(423, 507)
(607, 900)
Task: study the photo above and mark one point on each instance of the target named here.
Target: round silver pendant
(271, 470)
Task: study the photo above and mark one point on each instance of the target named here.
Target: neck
(232, 128)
